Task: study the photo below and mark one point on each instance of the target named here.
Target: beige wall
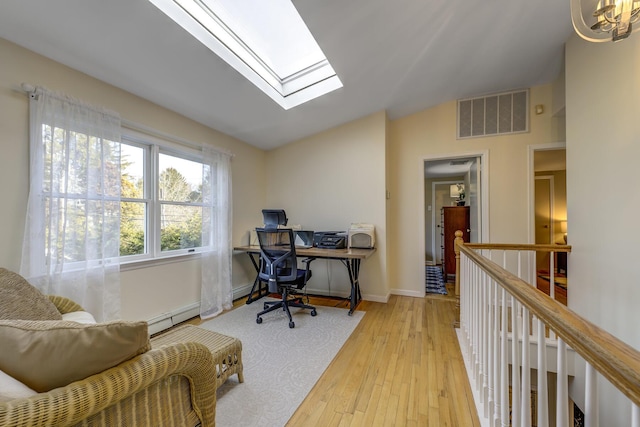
(326, 182)
(603, 199)
(431, 134)
(147, 292)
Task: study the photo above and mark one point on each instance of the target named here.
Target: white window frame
(154, 146)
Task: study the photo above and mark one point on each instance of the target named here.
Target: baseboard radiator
(182, 314)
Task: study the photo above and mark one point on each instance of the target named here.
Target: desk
(350, 258)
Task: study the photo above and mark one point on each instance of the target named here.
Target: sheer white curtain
(72, 233)
(216, 293)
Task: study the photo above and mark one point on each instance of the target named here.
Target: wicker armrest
(75, 402)
(65, 305)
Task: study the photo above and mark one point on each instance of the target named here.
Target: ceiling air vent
(499, 114)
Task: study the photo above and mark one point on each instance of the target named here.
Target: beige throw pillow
(48, 354)
(20, 300)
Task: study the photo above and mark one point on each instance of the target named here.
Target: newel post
(457, 241)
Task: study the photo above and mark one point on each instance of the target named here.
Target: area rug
(435, 282)
(281, 365)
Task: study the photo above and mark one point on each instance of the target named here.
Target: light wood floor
(402, 366)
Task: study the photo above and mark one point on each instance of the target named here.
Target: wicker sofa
(169, 385)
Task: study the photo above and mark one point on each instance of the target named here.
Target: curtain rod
(32, 91)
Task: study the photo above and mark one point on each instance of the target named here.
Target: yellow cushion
(21, 300)
(48, 354)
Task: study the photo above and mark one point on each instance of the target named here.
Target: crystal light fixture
(606, 19)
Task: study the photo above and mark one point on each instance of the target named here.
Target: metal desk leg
(257, 282)
(353, 266)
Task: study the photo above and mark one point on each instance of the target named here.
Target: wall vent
(499, 114)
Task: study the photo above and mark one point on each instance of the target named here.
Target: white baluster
(477, 334)
(543, 402)
(486, 325)
(481, 337)
(515, 362)
(496, 354)
(635, 416)
(504, 362)
(491, 350)
(562, 396)
(591, 397)
(525, 419)
(515, 354)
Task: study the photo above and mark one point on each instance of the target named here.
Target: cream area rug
(281, 365)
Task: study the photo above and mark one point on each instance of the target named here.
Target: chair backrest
(278, 261)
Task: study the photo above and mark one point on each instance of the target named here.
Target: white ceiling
(401, 56)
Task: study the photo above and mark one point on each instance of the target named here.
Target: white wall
(603, 200)
(147, 292)
(326, 182)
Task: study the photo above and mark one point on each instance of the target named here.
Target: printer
(361, 235)
(330, 239)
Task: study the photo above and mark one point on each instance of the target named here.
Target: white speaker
(361, 236)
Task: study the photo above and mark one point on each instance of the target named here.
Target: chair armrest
(65, 305)
(68, 405)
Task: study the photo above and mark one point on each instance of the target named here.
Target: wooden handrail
(617, 361)
(519, 247)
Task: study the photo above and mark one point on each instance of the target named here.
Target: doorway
(548, 212)
(440, 176)
(548, 184)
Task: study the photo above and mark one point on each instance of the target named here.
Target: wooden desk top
(351, 253)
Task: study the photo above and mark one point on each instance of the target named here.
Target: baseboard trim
(406, 293)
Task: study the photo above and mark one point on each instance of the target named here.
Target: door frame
(483, 232)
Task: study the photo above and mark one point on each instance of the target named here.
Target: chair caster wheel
(313, 313)
(292, 325)
(259, 320)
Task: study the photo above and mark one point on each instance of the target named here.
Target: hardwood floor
(402, 366)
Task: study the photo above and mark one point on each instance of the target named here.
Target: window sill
(146, 263)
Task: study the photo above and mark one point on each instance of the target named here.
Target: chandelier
(605, 19)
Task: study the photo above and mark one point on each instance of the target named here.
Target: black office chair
(278, 267)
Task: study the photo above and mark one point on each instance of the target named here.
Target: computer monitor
(272, 218)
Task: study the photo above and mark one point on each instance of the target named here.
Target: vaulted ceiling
(401, 56)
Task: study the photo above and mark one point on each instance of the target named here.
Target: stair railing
(507, 329)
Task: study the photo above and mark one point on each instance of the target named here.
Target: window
(162, 203)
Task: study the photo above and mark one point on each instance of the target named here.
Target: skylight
(266, 41)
